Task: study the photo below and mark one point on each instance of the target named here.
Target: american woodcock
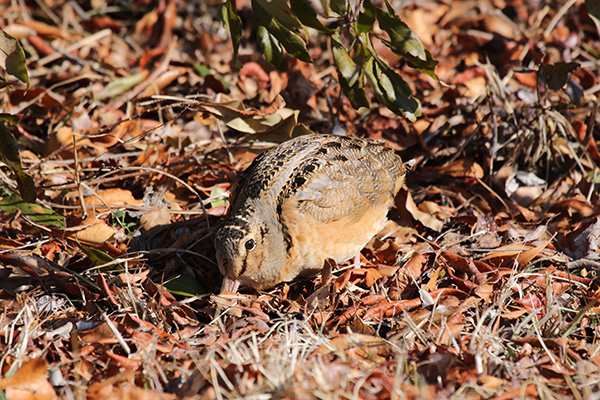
(312, 198)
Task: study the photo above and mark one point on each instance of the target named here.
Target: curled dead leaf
(522, 253)
(29, 382)
(112, 197)
(463, 168)
(365, 347)
(156, 217)
(96, 231)
(425, 218)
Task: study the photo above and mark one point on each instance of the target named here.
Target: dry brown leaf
(484, 291)
(49, 30)
(513, 314)
(501, 26)
(514, 123)
(100, 334)
(411, 270)
(425, 218)
(30, 382)
(122, 386)
(112, 197)
(366, 347)
(492, 383)
(129, 278)
(525, 257)
(96, 231)
(357, 325)
(507, 254)
(463, 168)
(372, 276)
(475, 87)
(156, 217)
(159, 83)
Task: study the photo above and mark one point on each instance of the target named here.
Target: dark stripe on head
(244, 266)
(287, 238)
(284, 230)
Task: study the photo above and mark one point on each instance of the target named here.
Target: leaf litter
(483, 284)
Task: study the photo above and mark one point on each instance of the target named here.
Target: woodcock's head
(249, 252)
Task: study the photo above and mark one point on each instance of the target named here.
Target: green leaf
(402, 40)
(593, 9)
(35, 212)
(338, 6)
(365, 21)
(592, 50)
(389, 7)
(356, 94)
(98, 257)
(3, 84)
(307, 15)
(350, 77)
(11, 118)
(203, 70)
(118, 86)
(344, 62)
(269, 46)
(279, 10)
(217, 191)
(361, 55)
(26, 185)
(9, 155)
(427, 66)
(232, 21)
(557, 75)
(292, 43)
(9, 149)
(12, 58)
(184, 286)
(391, 89)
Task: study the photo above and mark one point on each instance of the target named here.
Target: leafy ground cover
(484, 283)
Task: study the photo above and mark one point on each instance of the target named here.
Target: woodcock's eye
(250, 244)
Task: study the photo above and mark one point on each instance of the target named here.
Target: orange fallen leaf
(156, 217)
(96, 232)
(425, 218)
(30, 382)
(513, 314)
(526, 78)
(525, 257)
(112, 197)
(533, 303)
(529, 390)
(372, 276)
(100, 334)
(123, 362)
(162, 81)
(507, 254)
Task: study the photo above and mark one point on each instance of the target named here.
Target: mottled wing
(240, 188)
(344, 177)
(270, 170)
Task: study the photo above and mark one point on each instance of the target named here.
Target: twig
(563, 10)
(83, 42)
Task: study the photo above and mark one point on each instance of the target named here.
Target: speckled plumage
(309, 199)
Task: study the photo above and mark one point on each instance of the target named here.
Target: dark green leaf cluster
(283, 25)
(12, 60)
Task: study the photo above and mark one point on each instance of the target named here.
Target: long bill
(230, 285)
